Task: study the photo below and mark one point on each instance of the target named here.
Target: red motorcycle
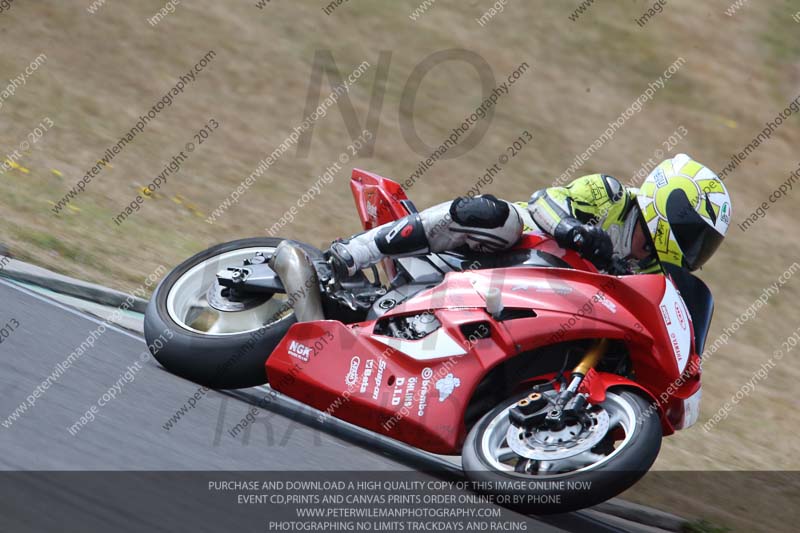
(555, 382)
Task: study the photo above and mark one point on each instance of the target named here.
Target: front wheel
(196, 332)
(543, 471)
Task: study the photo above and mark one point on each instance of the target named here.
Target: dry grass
(104, 70)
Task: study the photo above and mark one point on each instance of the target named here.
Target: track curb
(25, 272)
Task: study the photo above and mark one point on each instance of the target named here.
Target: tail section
(378, 200)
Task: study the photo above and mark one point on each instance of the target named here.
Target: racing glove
(590, 241)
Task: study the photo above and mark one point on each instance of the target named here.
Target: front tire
(221, 349)
(487, 458)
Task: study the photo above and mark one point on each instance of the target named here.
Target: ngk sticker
(352, 375)
(300, 351)
(679, 336)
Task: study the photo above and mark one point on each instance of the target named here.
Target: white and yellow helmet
(687, 210)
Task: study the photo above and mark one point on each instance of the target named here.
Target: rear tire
(220, 360)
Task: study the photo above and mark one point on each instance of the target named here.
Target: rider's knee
(480, 212)
(489, 221)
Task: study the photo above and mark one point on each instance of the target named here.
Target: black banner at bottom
(334, 501)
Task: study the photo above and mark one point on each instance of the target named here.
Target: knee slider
(484, 211)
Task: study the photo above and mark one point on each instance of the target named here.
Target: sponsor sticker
(725, 214)
(676, 345)
(427, 374)
(352, 375)
(665, 314)
(680, 315)
(397, 228)
(372, 207)
(372, 210)
(608, 304)
(378, 379)
(660, 178)
(368, 366)
(446, 386)
(299, 351)
(411, 386)
(557, 289)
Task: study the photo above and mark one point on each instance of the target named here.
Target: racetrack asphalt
(128, 434)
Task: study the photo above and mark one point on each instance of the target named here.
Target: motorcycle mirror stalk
(494, 302)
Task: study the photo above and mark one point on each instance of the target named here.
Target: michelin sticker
(446, 386)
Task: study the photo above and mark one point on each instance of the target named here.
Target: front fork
(589, 361)
(567, 405)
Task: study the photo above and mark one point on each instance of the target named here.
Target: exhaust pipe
(300, 280)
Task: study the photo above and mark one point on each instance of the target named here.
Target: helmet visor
(697, 239)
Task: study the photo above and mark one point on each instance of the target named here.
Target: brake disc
(543, 444)
(219, 301)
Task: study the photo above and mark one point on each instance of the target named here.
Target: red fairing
(352, 375)
(417, 391)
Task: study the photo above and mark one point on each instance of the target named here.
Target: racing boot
(401, 238)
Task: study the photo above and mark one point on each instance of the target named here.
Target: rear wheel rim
(496, 451)
(188, 306)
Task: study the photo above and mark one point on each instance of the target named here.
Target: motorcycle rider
(679, 216)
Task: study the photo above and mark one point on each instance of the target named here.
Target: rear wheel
(573, 467)
(196, 332)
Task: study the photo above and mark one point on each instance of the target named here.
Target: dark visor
(651, 245)
(696, 238)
